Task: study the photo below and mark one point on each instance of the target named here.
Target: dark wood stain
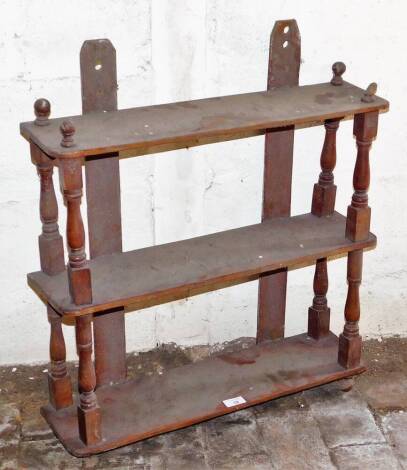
(114, 131)
(283, 71)
(93, 294)
(99, 93)
(326, 98)
(189, 394)
(176, 269)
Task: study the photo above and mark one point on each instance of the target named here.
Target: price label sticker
(234, 401)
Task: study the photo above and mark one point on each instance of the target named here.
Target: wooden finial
(68, 130)
(338, 69)
(42, 110)
(369, 94)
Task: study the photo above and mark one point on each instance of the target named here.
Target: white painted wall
(179, 50)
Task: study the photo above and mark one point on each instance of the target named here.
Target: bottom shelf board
(141, 408)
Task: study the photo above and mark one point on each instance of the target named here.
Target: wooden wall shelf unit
(111, 411)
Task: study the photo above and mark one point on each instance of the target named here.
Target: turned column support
(319, 312)
(50, 242)
(358, 217)
(350, 342)
(323, 197)
(89, 418)
(52, 262)
(59, 382)
(78, 273)
(323, 204)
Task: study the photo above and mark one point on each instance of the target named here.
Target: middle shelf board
(162, 273)
(177, 125)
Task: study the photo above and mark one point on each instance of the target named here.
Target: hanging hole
(98, 66)
(285, 44)
(286, 29)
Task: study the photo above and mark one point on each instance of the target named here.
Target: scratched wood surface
(103, 132)
(283, 70)
(99, 93)
(239, 255)
(193, 393)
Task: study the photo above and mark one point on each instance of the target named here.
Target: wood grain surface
(180, 269)
(185, 395)
(112, 131)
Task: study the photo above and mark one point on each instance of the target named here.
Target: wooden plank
(284, 68)
(193, 393)
(98, 76)
(99, 93)
(180, 269)
(127, 129)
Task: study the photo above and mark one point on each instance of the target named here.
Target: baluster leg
(323, 197)
(357, 228)
(49, 241)
(350, 342)
(52, 262)
(59, 382)
(89, 418)
(79, 275)
(323, 204)
(358, 217)
(319, 312)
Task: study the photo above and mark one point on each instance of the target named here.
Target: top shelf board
(189, 123)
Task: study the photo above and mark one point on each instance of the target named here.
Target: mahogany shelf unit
(109, 410)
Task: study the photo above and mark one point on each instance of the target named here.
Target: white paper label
(234, 401)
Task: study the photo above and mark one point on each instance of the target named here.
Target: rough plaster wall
(178, 50)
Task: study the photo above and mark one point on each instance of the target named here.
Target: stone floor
(323, 428)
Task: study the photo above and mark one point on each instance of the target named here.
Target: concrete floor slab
(370, 456)
(233, 442)
(344, 418)
(10, 420)
(44, 454)
(292, 435)
(395, 427)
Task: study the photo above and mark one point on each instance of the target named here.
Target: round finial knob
(338, 70)
(42, 110)
(369, 94)
(67, 130)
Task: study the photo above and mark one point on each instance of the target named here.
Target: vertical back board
(283, 69)
(99, 93)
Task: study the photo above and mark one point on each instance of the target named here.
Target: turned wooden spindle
(89, 418)
(52, 262)
(350, 342)
(42, 110)
(323, 198)
(319, 312)
(323, 204)
(49, 241)
(59, 382)
(358, 216)
(338, 69)
(78, 272)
